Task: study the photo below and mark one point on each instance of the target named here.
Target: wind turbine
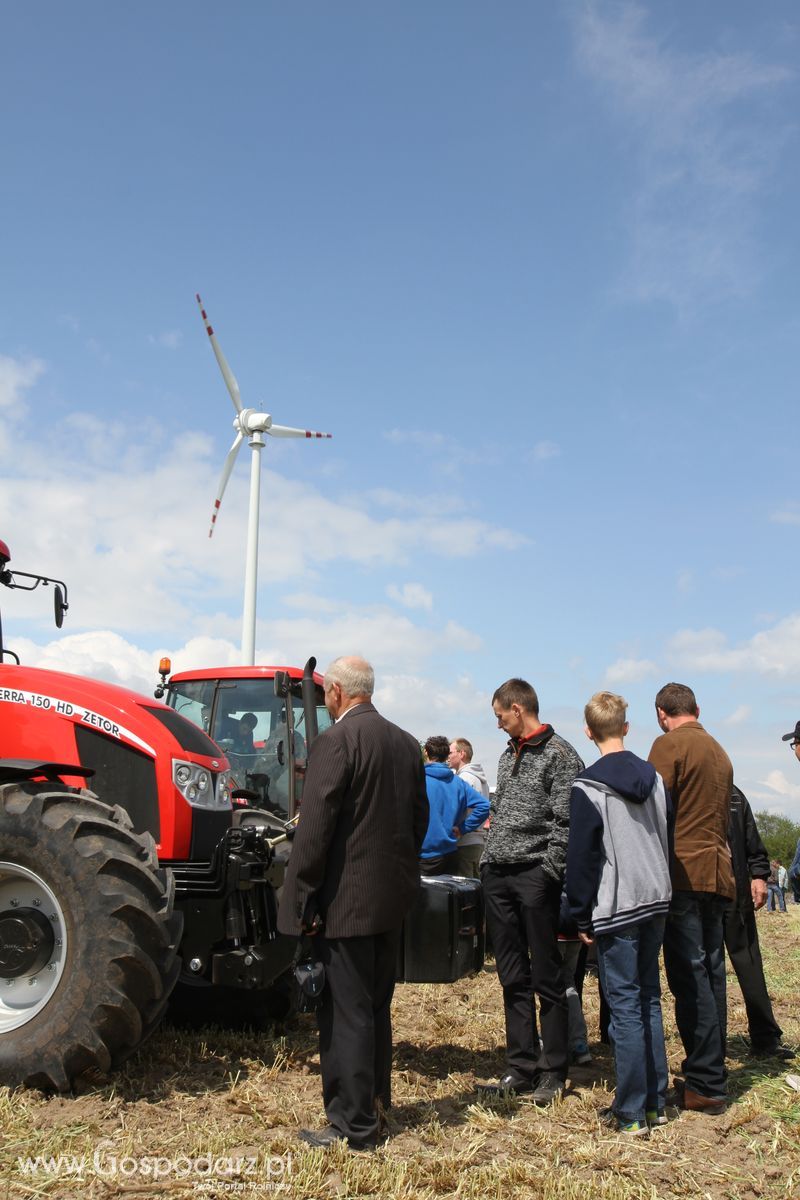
(252, 425)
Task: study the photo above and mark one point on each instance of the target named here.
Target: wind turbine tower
(252, 425)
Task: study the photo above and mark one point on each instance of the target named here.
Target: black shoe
(510, 1084)
(548, 1089)
(771, 1050)
(323, 1139)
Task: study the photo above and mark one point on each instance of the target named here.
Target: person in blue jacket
(455, 808)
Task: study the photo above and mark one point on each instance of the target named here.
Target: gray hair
(354, 675)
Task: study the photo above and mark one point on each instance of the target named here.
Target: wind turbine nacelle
(250, 421)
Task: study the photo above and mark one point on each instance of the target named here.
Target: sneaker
(580, 1053)
(610, 1119)
(548, 1089)
(655, 1116)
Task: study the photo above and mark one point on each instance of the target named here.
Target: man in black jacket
(352, 877)
(750, 870)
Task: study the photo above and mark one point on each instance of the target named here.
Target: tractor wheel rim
(33, 945)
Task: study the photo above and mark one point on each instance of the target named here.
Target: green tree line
(779, 835)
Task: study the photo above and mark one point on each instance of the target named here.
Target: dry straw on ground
(215, 1114)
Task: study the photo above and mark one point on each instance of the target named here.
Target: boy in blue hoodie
(455, 808)
(618, 890)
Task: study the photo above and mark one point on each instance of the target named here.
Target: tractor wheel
(88, 936)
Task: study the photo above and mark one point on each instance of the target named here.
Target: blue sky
(535, 267)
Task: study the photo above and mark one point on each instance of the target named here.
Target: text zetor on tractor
(161, 883)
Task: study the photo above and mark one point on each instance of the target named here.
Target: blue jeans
(775, 893)
(628, 965)
(695, 961)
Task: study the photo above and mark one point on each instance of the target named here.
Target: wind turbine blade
(226, 474)
(285, 431)
(227, 373)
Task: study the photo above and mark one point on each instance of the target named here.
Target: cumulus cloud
(774, 651)
(410, 595)
(739, 715)
(422, 438)
(381, 634)
(421, 699)
(16, 376)
(630, 670)
(544, 450)
(121, 514)
(170, 339)
(777, 782)
(701, 165)
(790, 515)
(431, 502)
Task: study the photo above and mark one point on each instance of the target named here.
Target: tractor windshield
(263, 735)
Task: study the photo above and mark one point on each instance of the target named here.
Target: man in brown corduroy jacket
(699, 776)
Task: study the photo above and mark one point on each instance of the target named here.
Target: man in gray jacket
(522, 870)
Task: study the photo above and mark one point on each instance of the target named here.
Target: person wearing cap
(793, 739)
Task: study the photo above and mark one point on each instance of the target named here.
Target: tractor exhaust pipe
(309, 694)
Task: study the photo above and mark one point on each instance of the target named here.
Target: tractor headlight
(197, 785)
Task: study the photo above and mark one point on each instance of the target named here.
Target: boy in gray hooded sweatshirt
(618, 890)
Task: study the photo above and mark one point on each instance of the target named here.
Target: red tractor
(161, 884)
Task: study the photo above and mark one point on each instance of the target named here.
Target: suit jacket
(699, 776)
(363, 817)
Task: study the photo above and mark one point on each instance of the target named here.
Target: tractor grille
(122, 776)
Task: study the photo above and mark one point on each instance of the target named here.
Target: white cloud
(774, 651)
(739, 716)
(777, 782)
(630, 670)
(170, 339)
(419, 700)
(431, 502)
(310, 602)
(787, 516)
(101, 654)
(410, 595)
(685, 581)
(424, 439)
(544, 450)
(121, 514)
(700, 164)
(16, 376)
(382, 635)
(427, 705)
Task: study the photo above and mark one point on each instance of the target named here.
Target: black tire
(113, 947)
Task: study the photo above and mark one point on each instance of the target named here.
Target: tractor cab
(263, 718)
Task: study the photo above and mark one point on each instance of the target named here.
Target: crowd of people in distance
(627, 857)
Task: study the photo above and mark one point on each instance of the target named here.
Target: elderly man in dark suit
(352, 876)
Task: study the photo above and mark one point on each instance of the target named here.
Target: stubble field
(215, 1114)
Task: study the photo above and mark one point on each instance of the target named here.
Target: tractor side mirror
(60, 605)
(282, 684)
